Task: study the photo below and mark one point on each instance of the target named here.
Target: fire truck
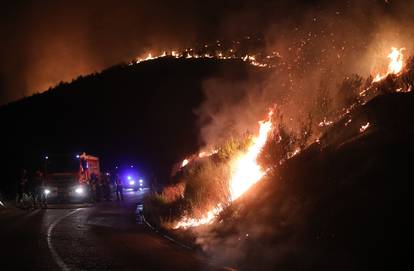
(68, 178)
(88, 167)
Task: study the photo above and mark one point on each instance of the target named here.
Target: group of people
(31, 188)
(100, 187)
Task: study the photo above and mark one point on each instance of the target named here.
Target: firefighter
(118, 183)
(93, 186)
(39, 197)
(98, 187)
(106, 187)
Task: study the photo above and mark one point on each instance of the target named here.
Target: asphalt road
(104, 236)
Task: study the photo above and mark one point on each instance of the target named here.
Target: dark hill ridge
(343, 204)
(141, 113)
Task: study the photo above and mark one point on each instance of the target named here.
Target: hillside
(140, 114)
(342, 204)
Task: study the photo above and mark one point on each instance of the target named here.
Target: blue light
(77, 156)
(129, 177)
(140, 180)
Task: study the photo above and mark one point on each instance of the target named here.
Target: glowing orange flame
(364, 127)
(185, 162)
(203, 154)
(190, 53)
(396, 63)
(208, 218)
(245, 173)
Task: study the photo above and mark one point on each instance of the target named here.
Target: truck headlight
(79, 190)
(46, 191)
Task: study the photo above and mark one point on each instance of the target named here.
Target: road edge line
(58, 260)
(164, 235)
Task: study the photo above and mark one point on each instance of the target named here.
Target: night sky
(45, 42)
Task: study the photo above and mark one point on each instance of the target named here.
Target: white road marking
(55, 255)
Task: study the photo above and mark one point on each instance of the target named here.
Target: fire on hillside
(245, 171)
(214, 51)
(395, 66)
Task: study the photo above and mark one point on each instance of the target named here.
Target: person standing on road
(118, 183)
(98, 188)
(39, 197)
(93, 185)
(106, 187)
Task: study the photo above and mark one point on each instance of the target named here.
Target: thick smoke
(320, 48)
(317, 49)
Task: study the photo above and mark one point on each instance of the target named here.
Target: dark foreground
(107, 236)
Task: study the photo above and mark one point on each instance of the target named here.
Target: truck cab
(68, 178)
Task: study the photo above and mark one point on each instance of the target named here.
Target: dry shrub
(174, 192)
(207, 186)
(349, 89)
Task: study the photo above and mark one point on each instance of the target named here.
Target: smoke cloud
(318, 46)
(45, 43)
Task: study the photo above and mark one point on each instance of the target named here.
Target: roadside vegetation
(203, 184)
(196, 188)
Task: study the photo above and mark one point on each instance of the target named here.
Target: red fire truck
(68, 178)
(88, 166)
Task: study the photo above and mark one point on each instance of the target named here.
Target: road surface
(105, 236)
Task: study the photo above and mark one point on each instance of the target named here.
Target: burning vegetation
(209, 182)
(218, 50)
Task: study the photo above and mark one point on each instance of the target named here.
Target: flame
(208, 218)
(191, 53)
(364, 128)
(245, 173)
(245, 170)
(396, 64)
(294, 153)
(200, 155)
(185, 162)
(203, 154)
(325, 123)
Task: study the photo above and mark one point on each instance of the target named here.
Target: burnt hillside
(342, 204)
(142, 113)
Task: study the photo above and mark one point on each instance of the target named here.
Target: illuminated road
(101, 237)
